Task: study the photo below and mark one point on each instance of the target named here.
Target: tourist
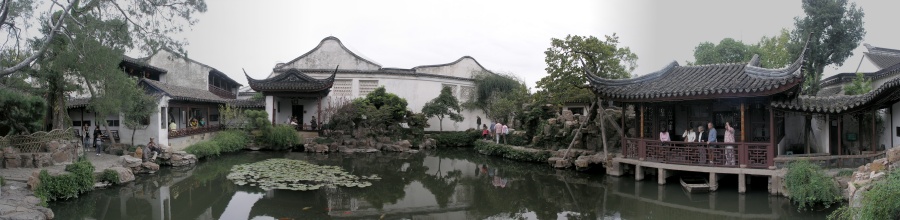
(98, 144)
(505, 133)
(193, 122)
(492, 129)
(85, 135)
(701, 137)
(155, 149)
(689, 135)
(712, 133)
(97, 133)
(202, 122)
(313, 123)
(485, 134)
(293, 122)
(173, 126)
(729, 138)
(664, 135)
(477, 120)
(498, 129)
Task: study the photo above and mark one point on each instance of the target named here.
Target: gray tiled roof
(183, 93)
(77, 102)
(247, 103)
(291, 80)
(882, 57)
(886, 94)
(676, 82)
(141, 62)
(840, 78)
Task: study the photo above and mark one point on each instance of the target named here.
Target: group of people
(193, 123)
(703, 136)
(313, 124)
(496, 131)
(97, 140)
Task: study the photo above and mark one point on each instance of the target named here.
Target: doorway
(297, 112)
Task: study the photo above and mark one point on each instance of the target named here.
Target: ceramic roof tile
(183, 93)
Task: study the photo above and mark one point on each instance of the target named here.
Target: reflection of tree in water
(442, 186)
(540, 189)
(396, 172)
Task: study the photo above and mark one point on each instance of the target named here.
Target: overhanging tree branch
(44, 46)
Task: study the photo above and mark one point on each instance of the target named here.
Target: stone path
(21, 174)
(17, 202)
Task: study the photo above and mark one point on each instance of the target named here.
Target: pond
(439, 184)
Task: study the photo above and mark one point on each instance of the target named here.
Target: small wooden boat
(695, 184)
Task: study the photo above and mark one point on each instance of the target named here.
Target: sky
(504, 36)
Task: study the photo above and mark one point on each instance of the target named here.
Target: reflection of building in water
(417, 200)
(668, 202)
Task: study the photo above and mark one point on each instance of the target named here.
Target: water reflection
(445, 184)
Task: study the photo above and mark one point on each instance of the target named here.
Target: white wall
(417, 91)
(330, 53)
(155, 129)
(181, 72)
(459, 68)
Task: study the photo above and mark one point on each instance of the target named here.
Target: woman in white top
(689, 135)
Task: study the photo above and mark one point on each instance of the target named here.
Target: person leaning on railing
(729, 149)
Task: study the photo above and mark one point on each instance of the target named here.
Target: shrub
(517, 139)
(456, 138)
(223, 142)
(506, 151)
(845, 172)
(809, 185)
(231, 141)
(109, 177)
(282, 137)
(80, 179)
(204, 149)
(880, 202)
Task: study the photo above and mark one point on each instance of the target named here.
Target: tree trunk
(111, 138)
(441, 123)
(601, 114)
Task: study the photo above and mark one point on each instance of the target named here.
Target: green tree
(445, 105)
(80, 52)
(860, 85)
(727, 51)
(568, 59)
(831, 30)
(22, 112)
(150, 23)
(774, 51)
(498, 95)
(137, 112)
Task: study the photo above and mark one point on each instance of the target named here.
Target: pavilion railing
(192, 131)
(719, 154)
(222, 92)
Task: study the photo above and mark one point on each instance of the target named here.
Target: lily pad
(294, 175)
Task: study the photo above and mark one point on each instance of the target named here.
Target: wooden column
(743, 130)
(642, 122)
(770, 150)
(623, 126)
(873, 131)
(840, 129)
(319, 109)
